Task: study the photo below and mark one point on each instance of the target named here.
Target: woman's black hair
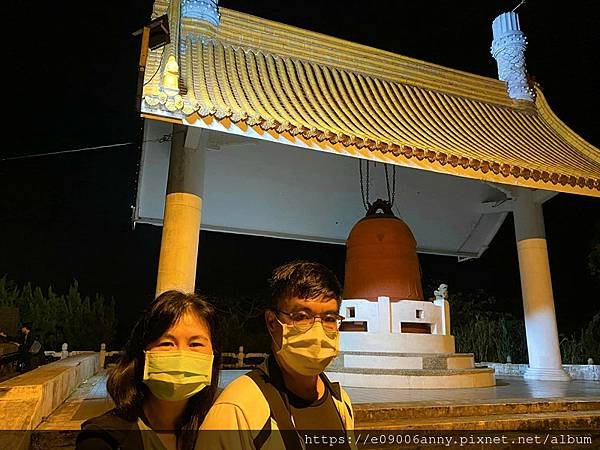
(125, 384)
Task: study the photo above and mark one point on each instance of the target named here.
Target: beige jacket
(244, 411)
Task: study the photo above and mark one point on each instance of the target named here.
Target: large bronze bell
(381, 258)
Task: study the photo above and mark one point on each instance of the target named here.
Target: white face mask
(308, 352)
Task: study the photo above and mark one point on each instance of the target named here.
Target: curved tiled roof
(366, 102)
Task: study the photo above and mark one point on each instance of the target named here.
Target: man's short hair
(305, 280)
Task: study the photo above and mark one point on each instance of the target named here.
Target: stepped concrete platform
(414, 361)
(522, 396)
(409, 370)
(533, 414)
(513, 404)
(27, 400)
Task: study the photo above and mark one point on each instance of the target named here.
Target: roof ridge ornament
(170, 79)
(207, 10)
(508, 49)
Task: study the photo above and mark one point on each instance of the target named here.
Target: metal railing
(242, 360)
(65, 353)
(240, 357)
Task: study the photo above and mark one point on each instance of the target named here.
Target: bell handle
(382, 205)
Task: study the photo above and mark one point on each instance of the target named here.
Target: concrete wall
(417, 312)
(383, 321)
(589, 372)
(385, 317)
(366, 311)
(27, 399)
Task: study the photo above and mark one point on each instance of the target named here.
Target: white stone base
(377, 362)
(467, 379)
(461, 362)
(356, 341)
(409, 370)
(365, 360)
(537, 373)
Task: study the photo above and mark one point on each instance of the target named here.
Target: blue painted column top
(508, 48)
(207, 10)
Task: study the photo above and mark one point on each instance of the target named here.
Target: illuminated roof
(360, 101)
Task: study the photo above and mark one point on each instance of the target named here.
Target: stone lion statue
(442, 292)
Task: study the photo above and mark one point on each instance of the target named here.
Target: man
(289, 392)
(25, 347)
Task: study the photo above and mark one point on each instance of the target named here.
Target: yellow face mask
(308, 352)
(178, 374)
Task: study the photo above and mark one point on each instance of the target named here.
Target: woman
(165, 381)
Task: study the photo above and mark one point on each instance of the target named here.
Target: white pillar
(445, 315)
(536, 285)
(102, 355)
(183, 211)
(64, 353)
(384, 316)
(240, 357)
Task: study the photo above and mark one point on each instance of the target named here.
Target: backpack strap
(334, 387)
(118, 433)
(279, 411)
(336, 390)
(92, 435)
(263, 434)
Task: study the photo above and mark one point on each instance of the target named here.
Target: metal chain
(393, 185)
(365, 198)
(391, 192)
(387, 183)
(364, 184)
(368, 186)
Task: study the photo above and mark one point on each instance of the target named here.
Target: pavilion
(257, 128)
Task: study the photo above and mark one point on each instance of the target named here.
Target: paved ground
(506, 388)
(91, 398)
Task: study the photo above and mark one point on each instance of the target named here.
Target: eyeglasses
(303, 321)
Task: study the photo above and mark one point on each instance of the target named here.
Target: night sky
(70, 77)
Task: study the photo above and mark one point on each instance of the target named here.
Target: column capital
(528, 216)
(540, 196)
